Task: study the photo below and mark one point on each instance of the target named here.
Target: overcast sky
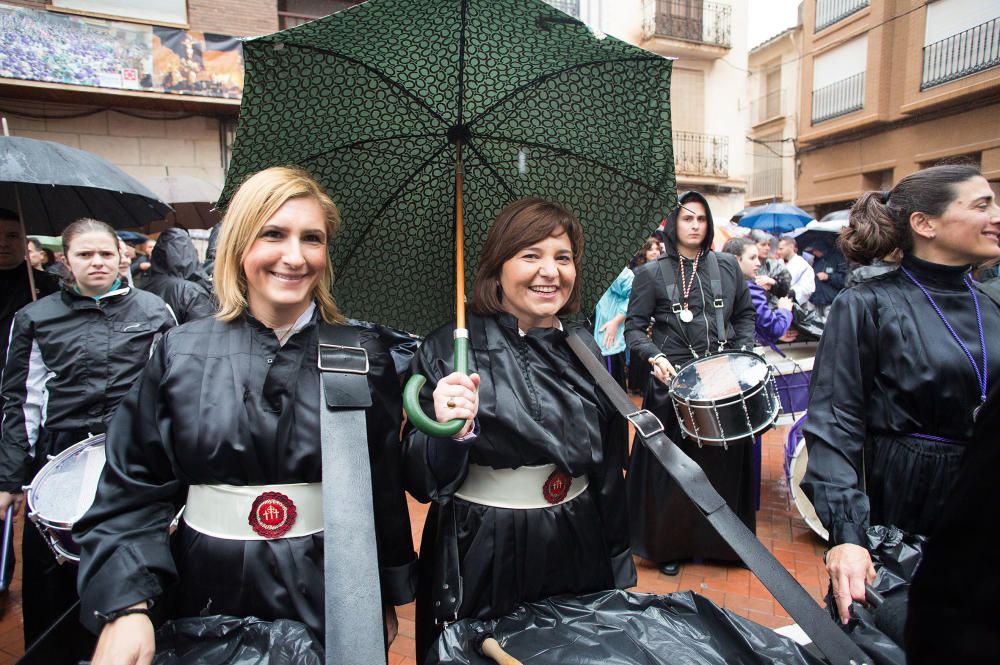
(766, 18)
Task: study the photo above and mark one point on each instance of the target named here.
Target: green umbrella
(390, 102)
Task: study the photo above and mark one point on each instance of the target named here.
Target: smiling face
(692, 227)
(285, 262)
(968, 230)
(92, 257)
(538, 280)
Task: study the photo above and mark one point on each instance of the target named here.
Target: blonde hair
(255, 202)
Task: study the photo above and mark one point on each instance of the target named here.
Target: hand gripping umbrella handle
(411, 396)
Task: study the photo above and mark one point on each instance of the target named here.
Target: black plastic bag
(227, 640)
(808, 323)
(879, 631)
(622, 628)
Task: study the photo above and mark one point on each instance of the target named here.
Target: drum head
(719, 377)
(65, 487)
(797, 467)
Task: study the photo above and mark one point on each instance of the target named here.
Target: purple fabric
(771, 323)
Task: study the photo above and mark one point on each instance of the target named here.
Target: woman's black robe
(537, 405)
(224, 403)
(888, 368)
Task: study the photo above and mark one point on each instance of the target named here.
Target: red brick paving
(779, 527)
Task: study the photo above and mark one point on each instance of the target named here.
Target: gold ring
(450, 404)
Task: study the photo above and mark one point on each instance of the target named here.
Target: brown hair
(737, 246)
(86, 225)
(640, 256)
(521, 224)
(880, 221)
(255, 202)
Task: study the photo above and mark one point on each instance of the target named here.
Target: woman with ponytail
(903, 367)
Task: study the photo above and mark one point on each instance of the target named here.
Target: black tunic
(537, 405)
(887, 368)
(224, 403)
(666, 526)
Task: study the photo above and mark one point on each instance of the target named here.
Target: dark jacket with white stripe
(70, 362)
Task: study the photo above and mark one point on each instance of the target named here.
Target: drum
(792, 370)
(63, 491)
(796, 468)
(724, 398)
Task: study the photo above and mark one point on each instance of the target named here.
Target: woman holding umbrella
(73, 355)
(903, 367)
(227, 419)
(529, 495)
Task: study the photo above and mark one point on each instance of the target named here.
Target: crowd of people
(217, 393)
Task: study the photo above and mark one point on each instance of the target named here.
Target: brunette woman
(73, 355)
(529, 497)
(903, 367)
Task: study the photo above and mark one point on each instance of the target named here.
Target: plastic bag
(227, 640)
(622, 628)
(879, 631)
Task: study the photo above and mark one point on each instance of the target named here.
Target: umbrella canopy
(775, 218)
(820, 233)
(192, 199)
(57, 185)
(374, 99)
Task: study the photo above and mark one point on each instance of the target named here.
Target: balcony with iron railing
(701, 154)
(767, 107)
(962, 54)
(838, 98)
(829, 12)
(765, 184)
(695, 21)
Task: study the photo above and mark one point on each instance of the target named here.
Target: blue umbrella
(776, 218)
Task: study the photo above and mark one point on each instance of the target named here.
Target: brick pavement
(779, 527)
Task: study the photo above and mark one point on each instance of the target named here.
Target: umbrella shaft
(459, 241)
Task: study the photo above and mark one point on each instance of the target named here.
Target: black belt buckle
(339, 358)
(646, 423)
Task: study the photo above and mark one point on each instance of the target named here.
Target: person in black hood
(666, 526)
(213, 241)
(178, 278)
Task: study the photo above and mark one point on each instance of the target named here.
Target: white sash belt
(225, 511)
(523, 488)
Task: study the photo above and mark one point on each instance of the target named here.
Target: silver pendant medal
(686, 316)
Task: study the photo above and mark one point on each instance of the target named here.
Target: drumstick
(490, 647)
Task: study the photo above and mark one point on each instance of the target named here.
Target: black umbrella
(52, 185)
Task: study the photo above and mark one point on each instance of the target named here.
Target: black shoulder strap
(669, 283)
(712, 264)
(353, 604)
(343, 365)
(817, 624)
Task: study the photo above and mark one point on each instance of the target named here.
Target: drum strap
(717, 303)
(353, 599)
(816, 622)
(712, 265)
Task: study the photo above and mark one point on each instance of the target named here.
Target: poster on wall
(59, 48)
(197, 63)
(43, 46)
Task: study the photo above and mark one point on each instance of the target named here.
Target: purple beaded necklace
(982, 377)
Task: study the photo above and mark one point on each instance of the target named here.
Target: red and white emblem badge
(272, 515)
(556, 487)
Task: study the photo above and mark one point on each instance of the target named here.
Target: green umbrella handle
(411, 397)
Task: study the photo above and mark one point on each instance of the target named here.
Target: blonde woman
(234, 401)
